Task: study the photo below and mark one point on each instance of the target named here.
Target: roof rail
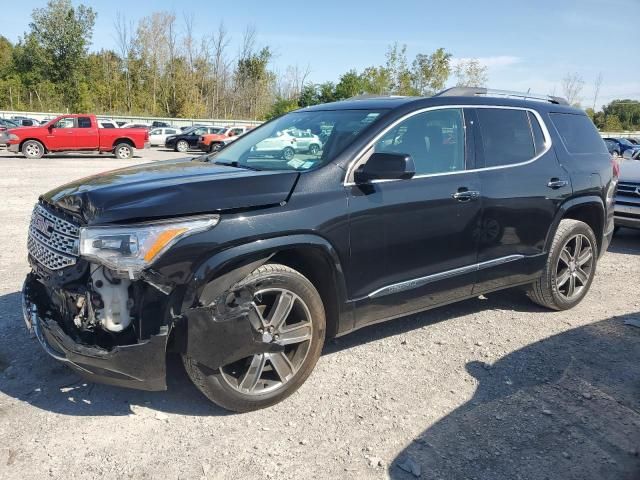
(481, 91)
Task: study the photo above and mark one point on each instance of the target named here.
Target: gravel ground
(491, 388)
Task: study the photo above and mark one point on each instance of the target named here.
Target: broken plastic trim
(223, 332)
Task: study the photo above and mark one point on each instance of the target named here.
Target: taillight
(616, 167)
(3, 129)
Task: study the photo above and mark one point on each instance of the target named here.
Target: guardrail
(177, 122)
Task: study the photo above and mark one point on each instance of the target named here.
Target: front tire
(33, 149)
(288, 153)
(314, 149)
(570, 267)
(182, 146)
(292, 315)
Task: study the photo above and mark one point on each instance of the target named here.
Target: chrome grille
(627, 188)
(53, 241)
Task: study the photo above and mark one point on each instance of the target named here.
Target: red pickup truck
(76, 133)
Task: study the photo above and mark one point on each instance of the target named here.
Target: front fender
(215, 326)
(231, 265)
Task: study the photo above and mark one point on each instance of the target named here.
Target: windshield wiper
(235, 164)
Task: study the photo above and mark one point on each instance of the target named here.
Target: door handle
(465, 195)
(556, 183)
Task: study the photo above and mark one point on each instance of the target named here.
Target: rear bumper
(141, 366)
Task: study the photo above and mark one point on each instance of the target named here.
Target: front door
(412, 241)
(61, 135)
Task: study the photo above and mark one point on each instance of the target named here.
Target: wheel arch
(311, 255)
(588, 209)
(40, 141)
(126, 140)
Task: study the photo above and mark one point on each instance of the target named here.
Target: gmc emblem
(43, 225)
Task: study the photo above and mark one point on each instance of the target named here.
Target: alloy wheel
(182, 146)
(124, 152)
(33, 150)
(574, 266)
(284, 319)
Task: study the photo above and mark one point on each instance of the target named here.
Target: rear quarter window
(578, 133)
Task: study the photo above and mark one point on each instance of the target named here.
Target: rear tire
(314, 149)
(570, 267)
(123, 151)
(231, 386)
(32, 149)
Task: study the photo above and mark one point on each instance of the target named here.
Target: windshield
(300, 140)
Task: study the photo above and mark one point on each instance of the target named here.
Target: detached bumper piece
(141, 366)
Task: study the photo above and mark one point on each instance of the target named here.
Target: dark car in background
(188, 139)
(627, 206)
(621, 145)
(158, 124)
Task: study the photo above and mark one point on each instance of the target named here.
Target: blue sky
(525, 44)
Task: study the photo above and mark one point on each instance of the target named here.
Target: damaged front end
(92, 300)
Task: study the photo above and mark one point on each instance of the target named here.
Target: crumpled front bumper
(141, 366)
(13, 147)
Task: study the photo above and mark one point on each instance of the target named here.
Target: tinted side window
(538, 136)
(84, 122)
(506, 136)
(578, 133)
(434, 139)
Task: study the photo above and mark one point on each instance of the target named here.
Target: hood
(630, 171)
(24, 131)
(168, 189)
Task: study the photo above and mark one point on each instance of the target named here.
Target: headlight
(132, 248)
(13, 136)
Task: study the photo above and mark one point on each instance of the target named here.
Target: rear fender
(588, 200)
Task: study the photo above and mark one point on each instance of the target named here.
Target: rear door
(522, 186)
(86, 134)
(61, 135)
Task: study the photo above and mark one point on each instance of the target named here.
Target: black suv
(244, 262)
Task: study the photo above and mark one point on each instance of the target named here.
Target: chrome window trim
(421, 281)
(358, 157)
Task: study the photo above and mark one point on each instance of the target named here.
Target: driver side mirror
(385, 166)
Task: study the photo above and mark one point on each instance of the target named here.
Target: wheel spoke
(280, 310)
(584, 256)
(562, 279)
(282, 365)
(254, 372)
(257, 320)
(300, 332)
(578, 248)
(582, 276)
(572, 286)
(565, 256)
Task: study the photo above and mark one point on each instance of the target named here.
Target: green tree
(63, 35)
(349, 85)
(471, 73)
(626, 111)
(280, 107)
(431, 72)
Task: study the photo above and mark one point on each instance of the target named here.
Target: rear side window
(578, 133)
(506, 136)
(84, 122)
